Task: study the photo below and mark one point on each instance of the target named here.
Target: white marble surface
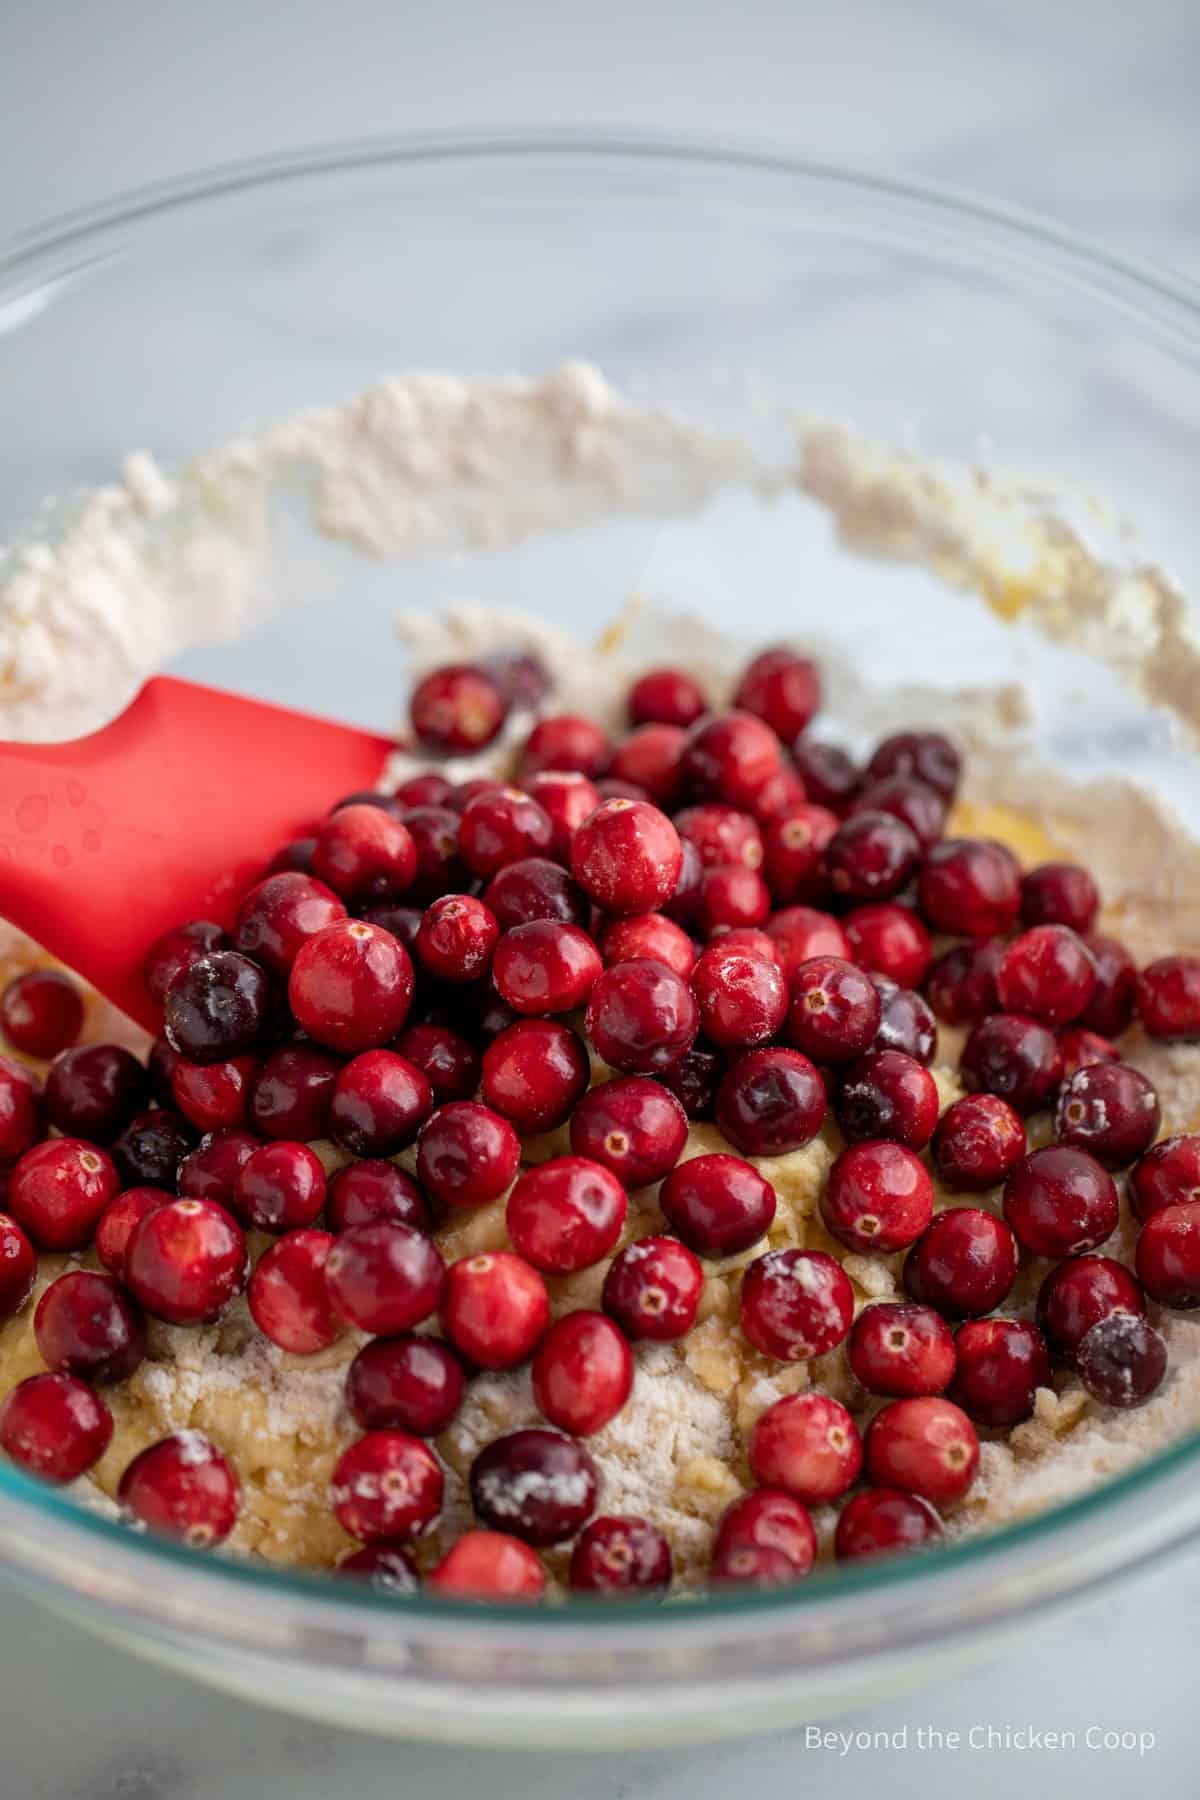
(1084, 110)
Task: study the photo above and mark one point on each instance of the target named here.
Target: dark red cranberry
(151, 1147)
(351, 986)
(386, 1568)
(718, 1204)
(371, 1190)
(380, 1101)
(961, 984)
(1001, 1365)
(466, 791)
(881, 1521)
(684, 905)
(185, 1261)
(801, 933)
(566, 1214)
(582, 1373)
(618, 1556)
(886, 1094)
(535, 1071)
(457, 709)
(41, 1012)
(1080, 1292)
(521, 676)
(834, 1012)
(500, 827)
(1110, 1009)
(770, 1102)
(296, 855)
(565, 741)
(918, 805)
(652, 937)
(723, 837)
(58, 1190)
(653, 1288)
(428, 789)
(730, 900)
(495, 1308)
(18, 1267)
(440, 868)
(926, 1446)
(1047, 974)
(284, 911)
(385, 1277)
(742, 998)
(778, 796)
(1014, 1057)
(388, 803)
(899, 1348)
(456, 938)
(1168, 1256)
(641, 1018)
(971, 887)
(214, 1096)
(665, 696)
(781, 688)
(1084, 1049)
(808, 1445)
(1059, 893)
(964, 1264)
(871, 856)
(878, 1198)
(535, 888)
(905, 1022)
(281, 1187)
(568, 798)
(694, 1080)
(386, 1487)
(1166, 1175)
(449, 1062)
(217, 1007)
(1109, 1110)
(20, 1109)
(545, 967)
(293, 1093)
(794, 846)
(86, 1324)
(53, 1426)
(288, 1297)
(830, 775)
(406, 1383)
(728, 756)
(1167, 998)
(489, 1565)
(467, 1154)
(978, 1141)
(751, 1566)
(176, 950)
(117, 1223)
(633, 1127)
(536, 1484)
(795, 1304)
(769, 1519)
(1122, 1360)
(650, 759)
(929, 755)
(1060, 1202)
(626, 857)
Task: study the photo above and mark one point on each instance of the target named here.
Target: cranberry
(881, 1521)
(185, 1261)
(961, 985)
(830, 775)
(535, 888)
(121, 1216)
(351, 986)
(296, 855)
(1014, 1057)
(926, 1446)
(217, 1007)
(794, 846)
(183, 1487)
(1060, 1202)
(899, 1348)
(641, 1017)
(886, 1094)
(617, 1555)
(500, 827)
(86, 1324)
(795, 1304)
(293, 1093)
(651, 937)
(929, 755)
(18, 1267)
(41, 1012)
(1166, 1175)
(20, 1110)
(565, 741)
(384, 1567)
(1122, 1360)
(406, 1383)
(545, 967)
(1080, 1292)
(404, 922)
(284, 911)
(363, 852)
(1168, 1255)
(1084, 1049)
(751, 937)
(718, 1204)
(159, 1072)
(566, 1214)
(1110, 1009)
(834, 1011)
(693, 1080)
(878, 1198)
(1046, 973)
(752, 1566)
(385, 1277)
(626, 857)
(728, 756)
(722, 835)
(1001, 1365)
(890, 940)
(380, 1101)
(467, 1154)
(770, 1102)
(978, 1141)
(633, 1127)
(214, 1096)
(387, 1486)
(449, 1062)
(650, 759)
(177, 949)
(914, 802)
(731, 899)
(665, 696)
(54, 1427)
(582, 1373)
(742, 998)
(964, 1264)
(1167, 998)
(457, 709)
(537, 1484)
(971, 887)
(489, 1565)
(768, 1519)
(568, 798)
(800, 933)
(808, 1445)
(781, 688)
(684, 905)
(905, 1022)
(495, 1308)
(440, 868)
(1111, 1111)
(653, 1288)
(366, 1192)
(456, 938)
(151, 1147)
(1059, 893)
(535, 1071)
(58, 1190)
(871, 856)
(429, 789)
(288, 1296)
(281, 1187)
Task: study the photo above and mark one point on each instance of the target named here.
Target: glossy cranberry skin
(1110, 1009)
(653, 1289)
(899, 1349)
(731, 899)
(53, 1426)
(535, 888)
(1122, 1360)
(18, 1267)
(914, 802)
(582, 1373)
(566, 1214)
(652, 937)
(926, 1446)
(770, 1102)
(882, 1521)
(618, 1556)
(684, 905)
(489, 1565)
(217, 1007)
(384, 1567)
(961, 984)
(782, 689)
(385, 1277)
(449, 1061)
(723, 836)
(281, 1187)
(1080, 1292)
(718, 1204)
(185, 1261)
(294, 856)
(85, 1324)
(1166, 1175)
(536, 1484)
(978, 1141)
(41, 1012)
(281, 913)
(830, 775)
(930, 756)
(808, 1445)
(351, 986)
(834, 1011)
(467, 1154)
(364, 852)
(500, 827)
(175, 950)
(387, 1487)
(626, 857)
(380, 1101)
(964, 1264)
(795, 1304)
(456, 938)
(1046, 974)
(905, 1022)
(1167, 998)
(890, 940)
(794, 846)
(751, 1566)
(456, 709)
(117, 1223)
(970, 887)
(641, 1017)
(429, 789)
(568, 798)
(878, 1198)
(1060, 1202)
(495, 1308)
(728, 756)
(565, 741)
(288, 1296)
(293, 1093)
(886, 1094)
(742, 998)
(768, 1519)
(440, 868)
(408, 1383)
(151, 1147)
(366, 1192)
(533, 1073)
(801, 933)
(545, 967)
(694, 1080)
(1001, 1365)
(1168, 1256)
(665, 696)
(871, 856)
(1059, 893)
(214, 1096)
(1017, 1058)
(20, 1110)
(650, 758)
(635, 1128)
(1083, 1049)
(1109, 1110)
(58, 1190)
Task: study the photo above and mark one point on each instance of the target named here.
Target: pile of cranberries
(746, 926)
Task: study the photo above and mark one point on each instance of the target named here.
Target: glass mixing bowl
(731, 288)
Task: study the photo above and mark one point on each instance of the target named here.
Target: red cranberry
(386, 1487)
(616, 1556)
(467, 1154)
(731, 899)
(489, 1565)
(650, 758)
(684, 905)
(280, 915)
(1110, 1009)
(406, 1383)
(185, 1261)
(794, 846)
(41, 1012)
(294, 856)
(919, 806)
(18, 1267)
(926, 1446)
(778, 796)
(121, 1216)
(385, 1277)
(535, 1071)
(641, 1017)
(751, 1566)
(929, 755)
(1122, 1360)
(1046, 973)
(1001, 1365)
(351, 986)
(1109, 1110)
(1014, 1057)
(1083, 1050)
(366, 1192)
(384, 1567)
(1166, 1175)
(568, 798)
(653, 1288)
(58, 1190)
(1168, 1256)
(449, 1062)
(520, 675)
(978, 1141)
(728, 756)
(871, 856)
(742, 998)
(808, 1445)
(545, 967)
(537, 1484)
(214, 1096)
(20, 1110)
(905, 1022)
(281, 1187)
(961, 984)
(440, 868)
(429, 789)
(899, 1348)
(456, 938)
(495, 1309)
(768, 1519)
(971, 887)
(85, 1324)
(466, 791)
(878, 1198)
(834, 1011)
(891, 941)
(380, 1102)
(565, 741)
(770, 1102)
(183, 1487)
(293, 1093)
(566, 1214)
(830, 775)
(800, 934)
(652, 937)
(1078, 1294)
(886, 1094)
(500, 827)
(177, 949)
(781, 688)
(633, 1127)
(964, 1264)
(288, 1296)
(881, 1521)
(54, 1427)
(626, 857)
(723, 837)
(535, 888)
(582, 1373)
(718, 1204)
(217, 1007)
(752, 938)
(665, 696)
(1059, 893)
(1167, 998)
(1060, 1202)
(151, 1147)
(693, 1080)
(796, 1304)
(456, 709)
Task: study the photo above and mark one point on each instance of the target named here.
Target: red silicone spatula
(163, 816)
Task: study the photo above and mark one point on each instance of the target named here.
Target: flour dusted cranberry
(770, 1102)
(58, 1190)
(971, 887)
(1168, 1256)
(495, 1309)
(723, 836)
(1110, 1009)
(742, 998)
(20, 1110)
(214, 1096)
(961, 984)
(121, 1216)
(781, 688)
(151, 1147)
(1122, 1360)
(930, 756)
(794, 845)
(449, 1061)
(633, 1127)
(293, 1093)
(387, 1487)
(380, 1101)
(905, 1022)
(728, 756)
(926, 1446)
(434, 831)
(890, 940)
(653, 1288)
(834, 1012)
(918, 805)
(363, 1193)
(878, 1198)
(899, 1348)
(456, 709)
(407, 1383)
(539, 1485)
(665, 696)
(185, 1261)
(626, 857)
(467, 1154)
(1060, 1202)
(801, 933)
(978, 1140)
(1083, 1050)
(18, 1267)
(1017, 1058)
(175, 950)
(351, 986)
(288, 1296)
(296, 855)
(281, 913)
(86, 1324)
(694, 1080)
(41, 1012)
(619, 1555)
(566, 1214)
(641, 1017)
(54, 1427)
(1059, 893)
(881, 1521)
(871, 856)
(534, 1072)
(217, 1007)
(651, 757)
(535, 888)
(886, 1094)
(769, 1519)
(1166, 1175)
(489, 1565)
(964, 1264)
(795, 1304)
(1167, 998)
(808, 1445)
(281, 1187)
(385, 1277)
(456, 938)
(567, 797)
(1078, 1294)
(718, 1204)
(651, 937)
(565, 741)
(582, 1373)
(184, 1488)
(1047, 974)
(1001, 1365)
(1109, 1110)
(384, 1567)
(545, 967)
(731, 899)
(751, 1566)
